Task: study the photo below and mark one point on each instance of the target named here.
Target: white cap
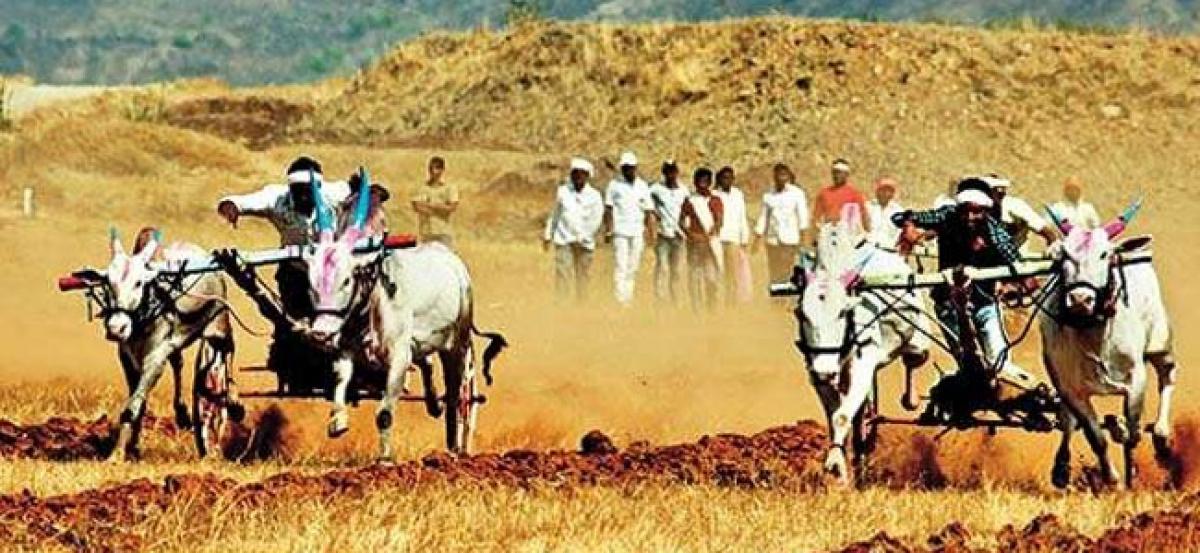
(580, 164)
(973, 196)
(996, 181)
(303, 177)
(629, 159)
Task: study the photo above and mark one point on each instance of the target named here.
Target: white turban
(973, 196)
(302, 177)
(580, 164)
(628, 159)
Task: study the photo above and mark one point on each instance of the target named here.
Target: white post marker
(27, 202)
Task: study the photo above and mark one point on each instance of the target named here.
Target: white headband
(841, 166)
(300, 177)
(972, 196)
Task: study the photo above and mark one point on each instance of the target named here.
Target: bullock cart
(963, 397)
(299, 370)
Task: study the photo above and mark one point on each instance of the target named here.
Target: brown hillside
(922, 101)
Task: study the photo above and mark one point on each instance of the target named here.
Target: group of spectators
(709, 225)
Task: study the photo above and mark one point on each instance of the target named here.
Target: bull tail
(496, 344)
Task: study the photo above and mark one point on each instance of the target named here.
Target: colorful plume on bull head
(331, 264)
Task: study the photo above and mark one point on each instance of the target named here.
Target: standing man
(668, 197)
(629, 214)
(880, 211)
(701, 219)
(833, 198)
(571, 228)
(434, 203)
(735, 235)
(1017, 216)
(1073, 208)
(782, 221)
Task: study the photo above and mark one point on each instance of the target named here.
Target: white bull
(391, 310)
(846, 336)
(153, 318)
(1104, 323)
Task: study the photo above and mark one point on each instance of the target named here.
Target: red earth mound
(100, 518)
(1173, 530)
(67, 439)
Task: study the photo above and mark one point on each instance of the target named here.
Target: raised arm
(255, 204)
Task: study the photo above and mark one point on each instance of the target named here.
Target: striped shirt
(988, 245)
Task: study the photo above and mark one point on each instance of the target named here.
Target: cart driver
(968, 236)
(291, 209)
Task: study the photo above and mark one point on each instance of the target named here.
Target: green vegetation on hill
(282, 41)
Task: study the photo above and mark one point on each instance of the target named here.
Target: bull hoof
(908, 403)
(835, 466)
(1162, 448)
(117, 457)
(433, 407)
(339, 424)
(1116, 429)
(182, 420)
(1060, 475)
(385, 461)
(237, 411)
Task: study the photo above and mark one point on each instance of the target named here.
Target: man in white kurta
(735, 236)
(629, 211)
(781, 223)
(1073, 208)
(571, 229)
(880, 210)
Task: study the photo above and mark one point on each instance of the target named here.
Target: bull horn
(1115, 227)
(852, 275)
(1063, 225)
(364, 200)
(114, 242)
(851, 216)
(151, 246)
(324, 223)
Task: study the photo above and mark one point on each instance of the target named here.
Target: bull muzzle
(325, 331)
(118, 327)
(1081, 301)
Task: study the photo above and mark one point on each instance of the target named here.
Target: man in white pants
(628, 215)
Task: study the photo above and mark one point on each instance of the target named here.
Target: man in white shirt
(292, 209)
(668, 197)
(1073, 208)
(735, 235)
(571, 228)
(1017, 216)
(629, 213)
(781, 223)
(880, 210)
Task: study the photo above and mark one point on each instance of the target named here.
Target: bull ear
(1134, 243)
(114, 242)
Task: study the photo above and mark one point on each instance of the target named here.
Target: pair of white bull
(402, 306)
(1104, 323)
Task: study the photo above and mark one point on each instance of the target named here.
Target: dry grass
(1020, 103)
(477, 518)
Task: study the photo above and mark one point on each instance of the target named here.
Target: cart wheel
(461, 418)
(210, 414)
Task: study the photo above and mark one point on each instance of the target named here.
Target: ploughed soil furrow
(1169, 530)
(106, 518)
(68, 439)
